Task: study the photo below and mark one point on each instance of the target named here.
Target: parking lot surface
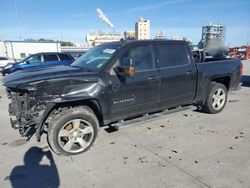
(184, 149)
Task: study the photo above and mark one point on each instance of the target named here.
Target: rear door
(138, 94)
(65, 59)
(50, 60)
(178, 74)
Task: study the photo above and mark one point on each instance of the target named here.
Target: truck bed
(228, 69)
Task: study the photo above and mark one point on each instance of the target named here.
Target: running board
(147, 117)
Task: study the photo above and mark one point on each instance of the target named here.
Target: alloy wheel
(75, 136)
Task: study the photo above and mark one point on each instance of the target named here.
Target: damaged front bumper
(25, 113)
(14, 123)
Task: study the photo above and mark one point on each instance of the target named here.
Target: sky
(73, 19)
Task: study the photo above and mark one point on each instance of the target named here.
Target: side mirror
(27, 62)
(126, 67)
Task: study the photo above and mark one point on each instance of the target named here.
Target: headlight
(8, 67)
(29, 87)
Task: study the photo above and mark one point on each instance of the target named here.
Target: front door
(32, 61)
(135, 95)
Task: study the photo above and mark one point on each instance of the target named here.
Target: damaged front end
(25, 113)
(34, 94)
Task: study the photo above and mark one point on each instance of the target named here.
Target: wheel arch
(225, 80)
(93, 104)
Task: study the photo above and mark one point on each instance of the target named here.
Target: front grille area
(19, 103)
(20, 111)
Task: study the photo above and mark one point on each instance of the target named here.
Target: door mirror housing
(126, 67)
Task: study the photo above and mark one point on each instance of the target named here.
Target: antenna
(104, 18)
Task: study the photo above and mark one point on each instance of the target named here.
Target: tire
(72, 131)
(216, 99)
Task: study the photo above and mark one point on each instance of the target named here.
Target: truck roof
(49, 53)
(125, 42)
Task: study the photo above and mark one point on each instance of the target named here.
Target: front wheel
(72, 131)
(216, 100)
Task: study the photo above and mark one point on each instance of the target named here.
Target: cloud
(78, 15)
(236, 36)
(158, 5)
(76, 35)
(154, 6)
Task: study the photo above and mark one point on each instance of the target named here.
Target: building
(189, 41)
(21, 49)
(75, 51)
(176, 37)
(129, 35)
(160, 35)
(78, 48)
(142, 29)
(95, 38)
(213, 36)
(2, 49)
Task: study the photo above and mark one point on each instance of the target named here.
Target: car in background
(76, 55)
(5, 61)
(39, 60)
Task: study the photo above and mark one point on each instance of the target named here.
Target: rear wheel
(73, 131)
(216, 100)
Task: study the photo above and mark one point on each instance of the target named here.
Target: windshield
(25, 59)
(95, 58)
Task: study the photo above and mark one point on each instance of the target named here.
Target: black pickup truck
(113, 82)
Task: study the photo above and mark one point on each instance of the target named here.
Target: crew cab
(113, 82)
(44, 59)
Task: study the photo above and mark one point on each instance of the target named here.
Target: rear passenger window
(64, 57)
(50, 57)
(172, 55)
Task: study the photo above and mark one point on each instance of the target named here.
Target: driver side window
(34, 59)
(142, 57)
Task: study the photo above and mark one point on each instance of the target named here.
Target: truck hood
(42, 74)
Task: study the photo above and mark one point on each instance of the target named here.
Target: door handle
(153, 78)
(189, 72)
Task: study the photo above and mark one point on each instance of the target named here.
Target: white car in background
(5, 61)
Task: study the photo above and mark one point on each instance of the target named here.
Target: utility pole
(17, 20)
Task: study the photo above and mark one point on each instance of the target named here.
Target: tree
(45, 40)
(67, 43)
